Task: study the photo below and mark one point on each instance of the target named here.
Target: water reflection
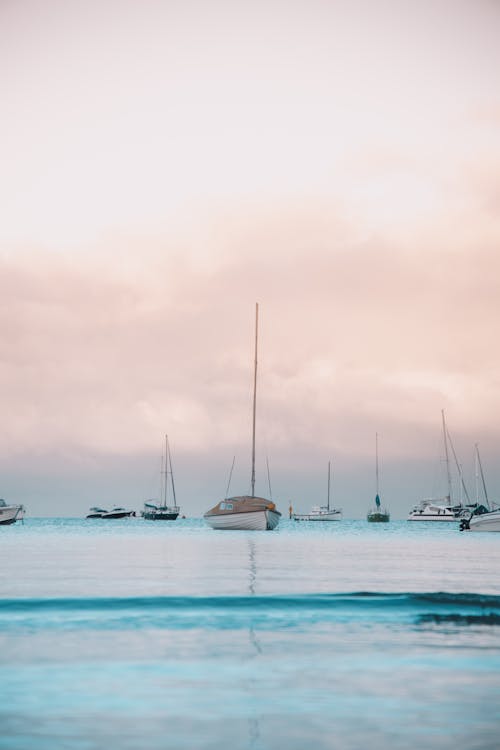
(253, 721)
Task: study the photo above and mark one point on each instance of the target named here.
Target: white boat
(482, 517)
(321, 512)
(442, 509)
(489, 521)
(96, 513)
(377, 514)
(162, 511)
(10, 513)
(431, 510)
(118, 513)
(246, 512)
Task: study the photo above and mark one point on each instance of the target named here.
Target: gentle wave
(235, 612)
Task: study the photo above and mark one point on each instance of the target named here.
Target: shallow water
(137, 634)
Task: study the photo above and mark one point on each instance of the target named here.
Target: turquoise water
(133, 634)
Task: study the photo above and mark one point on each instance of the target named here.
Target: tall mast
(482, 476)
(254, 396)
(171, 471)
(448, 474)
(165, 490)
(376, 459)
(328, 499)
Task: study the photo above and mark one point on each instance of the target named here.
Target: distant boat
(482, 517)
(442, 509)
(162, 511)
(110, 514)
(96, 513)
(10, 513)
(246, 512)
(377, 514)
(321, 512)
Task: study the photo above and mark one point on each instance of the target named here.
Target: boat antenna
(229, 480)
(269, 479)
(171, 470)
(459, 468)
(377, 496)
(448, 474)
(254, 396)
(482, 476)
(328, 493)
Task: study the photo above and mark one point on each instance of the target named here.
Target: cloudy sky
(165, 165)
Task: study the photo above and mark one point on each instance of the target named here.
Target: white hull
(10, 514)
(334, 515)
(255, 520)
(440, 518)
(486, 522)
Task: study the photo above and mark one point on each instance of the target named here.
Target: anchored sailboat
(482, 517)
(246, 511)
(377, 514)
(162, 511)
(321, 512)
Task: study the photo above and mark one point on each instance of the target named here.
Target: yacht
(10, 513)
(246, 511)
(489, 521)
(114, 513)
(431, 510)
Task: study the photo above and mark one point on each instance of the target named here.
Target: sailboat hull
(256, 520)
(378, 516)
(485, 522)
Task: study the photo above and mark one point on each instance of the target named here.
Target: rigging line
(269, 479)
(229, 480)
(482, 476)
(171, 472)
(459, 468)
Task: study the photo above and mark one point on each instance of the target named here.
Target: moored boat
(246, 512)
(96, 513)
(162, 511)
(118, 513)
(377, 514)
(321, 512)
(430, 510)
(10, 513)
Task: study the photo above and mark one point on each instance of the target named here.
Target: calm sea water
(142, 635)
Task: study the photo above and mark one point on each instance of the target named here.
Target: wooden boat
(246, 512)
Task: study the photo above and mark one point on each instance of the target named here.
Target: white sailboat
(162, 511)
(246, 511)
(10, 513)
(482, 517)
(440, 509)
(321, 512)
(377, 514)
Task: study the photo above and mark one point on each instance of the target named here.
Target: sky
(165, 166)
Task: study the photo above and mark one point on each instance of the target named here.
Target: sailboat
(377, 514)
(439, 509)
(162, 511)
(246, 511)
(321, 512)
(482, 517)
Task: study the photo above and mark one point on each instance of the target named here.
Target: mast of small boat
(169, 453)
(165, 477)
(254, 396)
(478, 457)
(377, 496)
(328, 496)
(447, 458)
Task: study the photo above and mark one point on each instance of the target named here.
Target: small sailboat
(162, 511)
(246, 511)
(10, 513)
(321, 512)
(377, 514)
